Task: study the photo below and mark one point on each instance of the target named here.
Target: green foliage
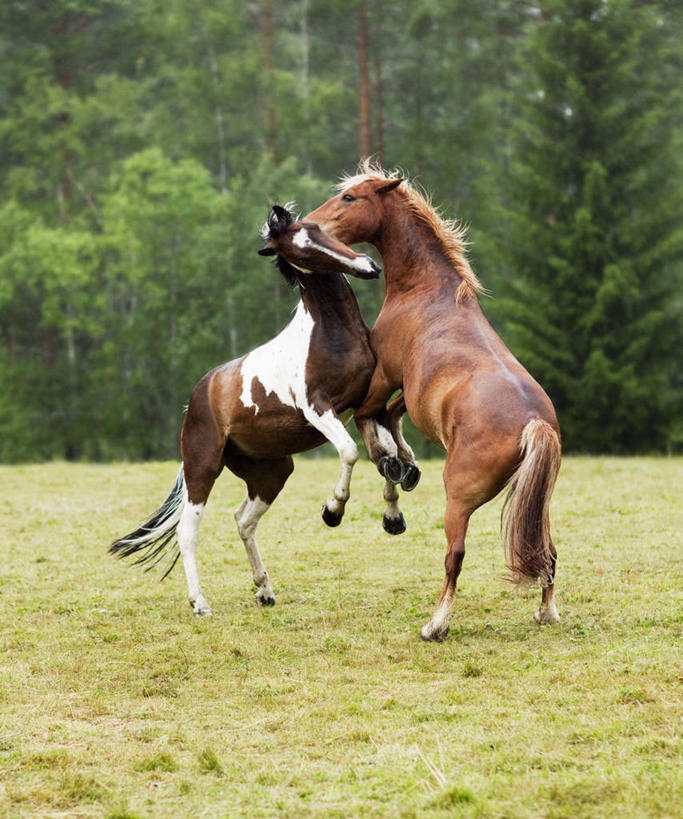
(593, 302)
(141, 145)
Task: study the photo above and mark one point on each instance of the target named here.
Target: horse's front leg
(322, 416)
(373, 423)
(395, 412)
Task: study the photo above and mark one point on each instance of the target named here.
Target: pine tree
(592, 307)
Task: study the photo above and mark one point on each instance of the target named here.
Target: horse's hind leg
(264, 481)
(465, 481)
(201, 445)
(188, 534)
(201, 471)
(455, 527)
(247, 516)
(547, 612)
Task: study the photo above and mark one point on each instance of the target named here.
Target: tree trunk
(378, 84)
(220, 122)
(364, 80)
(271, 122)
(305, 98)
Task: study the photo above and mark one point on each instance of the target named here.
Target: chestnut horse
(463, 388)
(286, 396)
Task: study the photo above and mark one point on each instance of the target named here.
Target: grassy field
(115, 701)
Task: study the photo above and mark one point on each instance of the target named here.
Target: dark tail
(526, 519)
(154, 537)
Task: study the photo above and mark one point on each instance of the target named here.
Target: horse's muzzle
(373, 271)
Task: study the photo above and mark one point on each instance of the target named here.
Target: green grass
(115, 701)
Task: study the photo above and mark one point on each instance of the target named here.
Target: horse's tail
(525, 520)
(153, 537)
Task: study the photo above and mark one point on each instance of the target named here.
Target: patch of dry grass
(115, 701)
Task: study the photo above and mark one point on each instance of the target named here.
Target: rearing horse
(286, 396)
(463, 388)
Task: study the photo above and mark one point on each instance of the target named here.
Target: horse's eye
(348, 198)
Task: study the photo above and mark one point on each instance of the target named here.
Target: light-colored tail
(154, 537)
(525, 520)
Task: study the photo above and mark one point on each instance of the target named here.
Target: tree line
(142, 143)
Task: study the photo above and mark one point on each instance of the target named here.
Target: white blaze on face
(302, 239)
(280, 364)
(361, 263)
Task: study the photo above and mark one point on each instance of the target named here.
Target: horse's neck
(328, 295)
(412, 254)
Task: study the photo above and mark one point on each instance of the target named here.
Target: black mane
(279, 219)
(287, 270)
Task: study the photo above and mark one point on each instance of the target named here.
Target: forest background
(142, 143)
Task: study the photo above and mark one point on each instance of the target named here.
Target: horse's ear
(283, 216)
(385, 187)
(267, 251)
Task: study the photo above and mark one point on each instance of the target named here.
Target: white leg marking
(547, 612)
(391, 497)
(333, 429)
(437, 628)
(405, 452)
(385, 440)
(379, 442)
(247, 518)
(188, 533)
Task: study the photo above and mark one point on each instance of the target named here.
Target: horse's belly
(425, 392)
(273, 432)
(425, 413)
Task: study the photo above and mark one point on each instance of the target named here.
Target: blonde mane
(449, 232)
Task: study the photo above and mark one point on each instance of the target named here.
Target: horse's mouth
(373, 272)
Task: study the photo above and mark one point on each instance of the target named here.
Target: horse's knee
(349, 453)
(245, 528)
(248, 516)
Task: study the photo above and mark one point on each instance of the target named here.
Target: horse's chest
(279, 366)
(341, 361)
(310, 356)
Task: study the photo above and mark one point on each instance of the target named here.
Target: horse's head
(355, 214)
(308, 249)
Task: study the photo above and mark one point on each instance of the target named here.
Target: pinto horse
(463, 388)
(286, 396)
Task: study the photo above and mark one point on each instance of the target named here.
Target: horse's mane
(279, 219)
(450, 232)
(288, 272)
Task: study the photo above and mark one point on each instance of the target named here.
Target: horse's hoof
(391, 468)
(202, 612)
(411, 478)
(546, 616)
(434, 635)
(394, 526)
(265, 597)
(200, 608)
(331, 518)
